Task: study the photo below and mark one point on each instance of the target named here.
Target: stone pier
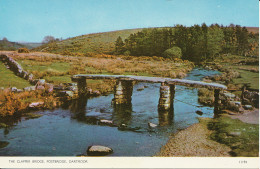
(166, 97)
(165, 105)
(82, 84)
(123, 92)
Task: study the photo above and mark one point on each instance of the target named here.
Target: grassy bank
(242, 138)
(17, 103)
(238, 70)
(9, 79)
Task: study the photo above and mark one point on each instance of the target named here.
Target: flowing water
(68, 131)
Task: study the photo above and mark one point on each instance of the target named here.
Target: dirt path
(194, 142)
(249, 116)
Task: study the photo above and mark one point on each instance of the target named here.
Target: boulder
(235, 133)
(73, 84)
(69, 93)
(237, 103)
(36, 104)
(248, 107)
(25, 75)
(19, 90)
(199, 112)
(72, 88)
(151, 125)
(98, 150)
(49, 87)
(41, 82)
(97, 93)
(140, 88)
(106, 122)
(229, 95)
(232, 106)
(89, 91)
(40, 87)
(58, 88)
(30, 78)
(33, 88)
(13, 89)
(27, 89)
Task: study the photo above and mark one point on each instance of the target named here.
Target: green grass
(59, 79)
(231, 62)
(32, 65)
(248, 77)
(9, 79)
(243, 138)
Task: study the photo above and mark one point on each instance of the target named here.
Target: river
(68, 131)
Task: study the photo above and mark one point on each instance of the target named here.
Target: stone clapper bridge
(124, 88)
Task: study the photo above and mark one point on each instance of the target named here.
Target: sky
(32, 20)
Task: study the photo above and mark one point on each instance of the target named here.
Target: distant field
(31, 45)
(253, 29)
(9, 79)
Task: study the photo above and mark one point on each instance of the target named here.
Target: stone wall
(17, 68)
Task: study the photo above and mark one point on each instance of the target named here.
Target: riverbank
(228, 135)
(194, 142)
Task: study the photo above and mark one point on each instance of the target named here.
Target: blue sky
(31, 20)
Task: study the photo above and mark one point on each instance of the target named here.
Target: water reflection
(122, 114)
(78, 111)
(78, 106)
(166, 117)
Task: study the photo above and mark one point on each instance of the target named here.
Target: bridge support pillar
(216, 101)
(123, 92)
(82, 84)
(167, 93)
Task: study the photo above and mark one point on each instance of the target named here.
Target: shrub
(174, 52)
(23, 50)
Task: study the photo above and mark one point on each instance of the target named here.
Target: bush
(174, 52)
(23, 50)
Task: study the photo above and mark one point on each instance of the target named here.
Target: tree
(120, 46)
(215, 38)
(5, 39)
(174, 52)
(48, 39)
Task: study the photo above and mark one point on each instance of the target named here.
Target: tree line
(195, 43)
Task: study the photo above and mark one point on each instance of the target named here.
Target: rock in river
(97, 150)
(199, 112)
(140, 88)
(151, 125)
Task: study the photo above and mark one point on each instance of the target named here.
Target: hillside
(96, 42)
(7, 45)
